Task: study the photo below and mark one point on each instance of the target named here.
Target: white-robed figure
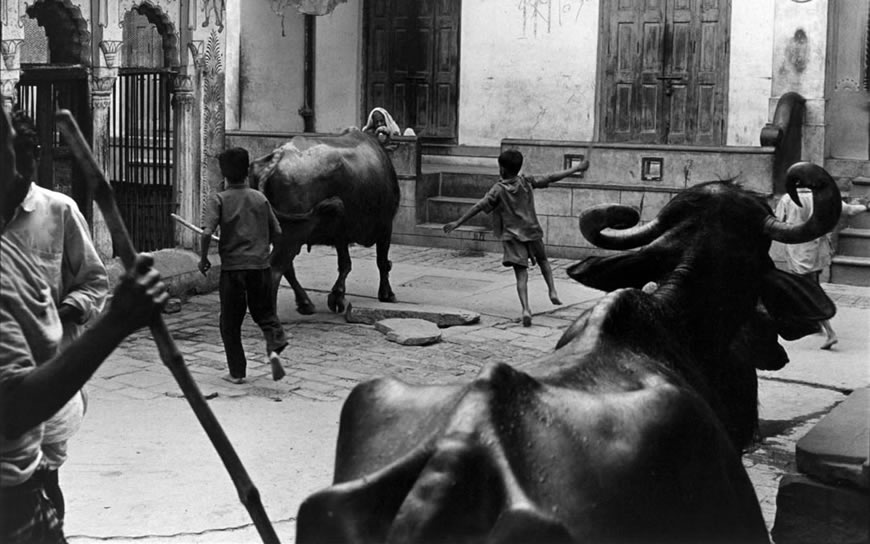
(810, 258)
(381, 124)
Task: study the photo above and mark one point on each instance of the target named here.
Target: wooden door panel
(664, 71)
(420, 68)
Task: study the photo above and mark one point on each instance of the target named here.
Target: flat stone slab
(836, 449)
(442, 316)
(409, 331)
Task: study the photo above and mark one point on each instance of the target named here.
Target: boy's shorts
(518, 253)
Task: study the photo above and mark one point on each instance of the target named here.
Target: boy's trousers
(242, 290)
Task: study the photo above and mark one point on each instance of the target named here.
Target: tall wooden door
(412, 63)
(665, 71)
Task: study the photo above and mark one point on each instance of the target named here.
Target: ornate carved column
(102, 82)
(10, 71)
(184, 157)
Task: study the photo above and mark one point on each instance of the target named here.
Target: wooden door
(412, 63)
(665, 71)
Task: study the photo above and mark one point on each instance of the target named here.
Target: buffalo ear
(617, 271)
(796, 303)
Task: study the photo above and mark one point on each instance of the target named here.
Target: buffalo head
(718, 290)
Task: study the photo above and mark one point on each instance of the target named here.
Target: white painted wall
(338, 72)
(749, 75)
(524, 75)
(799, 57)
(232, 28)
(270, 68)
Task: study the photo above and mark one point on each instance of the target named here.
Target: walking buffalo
(332, 190)
(630, 431)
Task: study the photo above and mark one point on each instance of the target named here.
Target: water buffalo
(627, 431)
(330, 190)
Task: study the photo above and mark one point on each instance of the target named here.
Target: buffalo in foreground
(630, 431)
(332, 190)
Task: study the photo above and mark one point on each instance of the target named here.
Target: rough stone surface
(173, 305)
(836, 449)
(371, 313)
(409, 331)
(810, 512)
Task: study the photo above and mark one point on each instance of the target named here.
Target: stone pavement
(142, 470)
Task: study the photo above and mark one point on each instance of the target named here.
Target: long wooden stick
(187, 224)
(172, 358)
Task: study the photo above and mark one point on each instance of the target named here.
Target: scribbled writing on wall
(544, 16)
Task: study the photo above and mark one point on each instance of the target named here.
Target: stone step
(467, 184)
(860, 221)
(443, 209)
(860, 187)
(848, 270)
(431, 163)
(854, 242)
(464, 228)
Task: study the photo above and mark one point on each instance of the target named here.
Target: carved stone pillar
(184, 157)
(10, 72)
(102, 82)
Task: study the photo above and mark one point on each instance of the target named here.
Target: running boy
(516, 223)
(247, 225)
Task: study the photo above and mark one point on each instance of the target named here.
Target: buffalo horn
(826, 205)
(615, 216)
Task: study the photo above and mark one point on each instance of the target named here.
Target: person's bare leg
(547, 271)
(522, 274)
(831, 335)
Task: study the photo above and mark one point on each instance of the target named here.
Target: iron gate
(41, 92)
(140, 156)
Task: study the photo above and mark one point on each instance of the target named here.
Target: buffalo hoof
(305, 308)
(336, 302)
(389, 297)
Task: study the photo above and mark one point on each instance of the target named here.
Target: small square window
(571, 160)
(651, 168)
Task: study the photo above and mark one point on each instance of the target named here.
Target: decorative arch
(69, 39)
(166, 29)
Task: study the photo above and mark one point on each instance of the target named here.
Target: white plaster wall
(338, 70)
(749, 76)
(799, 65)
(270, 68)
(527, 76)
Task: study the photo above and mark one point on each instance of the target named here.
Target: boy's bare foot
(554, 298)
(527, 319)
(231, 379)
(829, 343)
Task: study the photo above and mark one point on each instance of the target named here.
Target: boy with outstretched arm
(512, 203)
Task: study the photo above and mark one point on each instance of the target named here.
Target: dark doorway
(412, 64)
(664, 71)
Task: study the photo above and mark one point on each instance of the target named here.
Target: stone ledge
(810, 512)
(836, 449)
(179, 269)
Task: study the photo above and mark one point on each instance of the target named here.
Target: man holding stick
(36, 379)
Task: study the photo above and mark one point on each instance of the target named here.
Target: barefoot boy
(513, 203)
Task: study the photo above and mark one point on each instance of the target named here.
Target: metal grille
(140, 156)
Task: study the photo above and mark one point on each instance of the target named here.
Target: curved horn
(826, 205)
(616, 216)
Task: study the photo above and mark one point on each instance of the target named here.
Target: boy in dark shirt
(512, 203)
(247, 226)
